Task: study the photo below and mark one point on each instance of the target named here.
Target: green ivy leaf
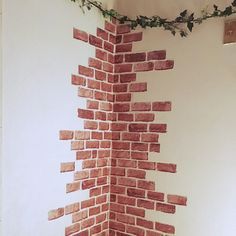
(228, 11)
(184, 13)
(190, 26)
(234, 3)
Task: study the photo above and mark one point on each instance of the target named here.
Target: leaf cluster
(182, 24)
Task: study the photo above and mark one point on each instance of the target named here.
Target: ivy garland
(182, 24)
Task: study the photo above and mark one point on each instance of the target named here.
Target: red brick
(125, 117)
(83, 233)
(155, 196)
(166, 208)
(164, 65)
(117, 226)
(112, 135)
(92, 144)
(159, 128)
(94, 211)
(93, 84)
(131, 136)
(141, 106)
(86, 71)
(156, 55)
(138, 193)
(117, 189)
(178, 200)
(107, 67)
(110, 27)
(144, 66)
(126, 200)
(69, 209)
(126, 219)
(126, 78)
(88, 203)
(146, 165)
(123, 68)
(148, 185)
(112, 78)
(112, 116)
(69, 230)
(77, 145)
(87, 223)
(138, 127)
(99, 75)
(118, 127)
(79, 175)
(144, 117)
(145, 223)
(100, 218)
(149, 137)
(66, 134)
(85, 114)
(115, 59)
(95, 230)
(99, 115)
(92, 104)
(110, 97)
(135, 230)
(135, 211)
(121, 145)
(138, 87)
(124, 97)
(90, 125)
(161, 106)
(101, 199)
(154, 148)
(139, 146)
(135, 57)
(115, 39)
(117, 171)
(81, 35)
(101, 54)
(164, 167)
(127, 163)
(93, 40)
(96, 172)
(72, 187)
(121, 107)
(103, 126)
(87, 164)
(119, 88)
(133, 37)
(102, 181)
(117, 208)
(139, 155)
(152, 233)
(81, 155)
(78, 80)
(165, 228)
(54, 214)
(102, 34)
(95, 63)
(123, 48)
(140, 174)
(79, 216)
(145, 204)
(108, 47)
(106, 87)
(105, 106)
(96, 135)
(123, 29)
(120, 154)
(82, 135)
(127, 182)
(86, 93)
(100, 96)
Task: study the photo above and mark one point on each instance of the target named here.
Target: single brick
(140, 174)
(139, 155)
(148, 185)
(86, 71)
(149, 137)
(135, 211)
(101, 54)
(85, 93)
(92, 104)
(118, 127)
(124, 97)
(108, 47)
(87, 223)
(120, 88)
(66, 134)
(123, 48)
(138, 87)
(165, 228)
(78, 216)
(157, 196)
(126, 78)
(164, 65)
(106, 87)
(144, 66)
(72, 187)
(125, 117)
(79, 175)
(95, 63)
(133, 37)
(135, 57)
(110, 27)
(178, 200)
(165, 167)
(69, 209)
(99, 115)
(121, 107)
(166, 208)
(130, 220)
(102, 34)
(126, 200)
(139, 146)
(67, 167)
(154, 147)
(156, 55)
(145, 223)
(141, 106)
(107, 67)
(144, 117)
(161, 106)
(146, 165)
(93, 40)
(159, 128)
(131, 136)
(123, 68)
(80, 35)
(106, 106)
(123, 29)
(54, 214)
(115, 59)
(85, 114)
(99, 75)
(81, 155)
(92, 144)
(115, 39)
(82, 135)
(88, 203)
(120, 145)
(138, 127)
(69, 230)
(101, 96)
(120, 154)
(145, 204)
(77, 145)
(78, 80)
(127, 182)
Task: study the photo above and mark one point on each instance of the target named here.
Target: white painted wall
(202, 127)
(39, 55)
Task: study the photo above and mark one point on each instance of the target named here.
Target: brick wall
(118, 136)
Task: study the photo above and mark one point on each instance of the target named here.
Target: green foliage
(182, 24)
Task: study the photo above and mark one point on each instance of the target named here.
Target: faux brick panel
(113, 151)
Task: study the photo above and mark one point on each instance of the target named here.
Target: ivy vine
(182, 24)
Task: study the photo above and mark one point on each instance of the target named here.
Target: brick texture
(118, 136)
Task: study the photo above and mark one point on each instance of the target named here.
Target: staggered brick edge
(116, 141)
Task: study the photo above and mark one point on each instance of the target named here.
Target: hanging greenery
(182, 24)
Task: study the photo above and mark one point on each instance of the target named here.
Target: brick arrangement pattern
(118, 135)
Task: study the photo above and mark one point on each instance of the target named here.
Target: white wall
(39, 55)
(201, 136)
